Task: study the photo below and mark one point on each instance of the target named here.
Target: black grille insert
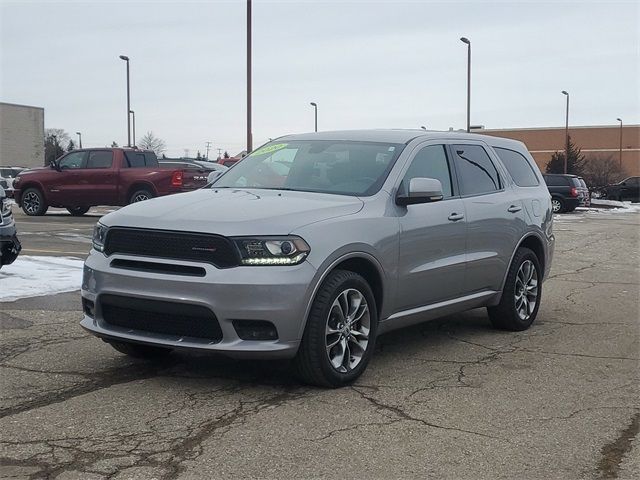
(156, 316)
(197, 247)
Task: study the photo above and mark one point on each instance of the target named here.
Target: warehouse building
(21, 135)
(601, 141)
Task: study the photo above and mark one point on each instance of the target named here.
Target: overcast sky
(368, 64)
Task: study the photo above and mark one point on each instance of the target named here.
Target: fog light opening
(255, 330)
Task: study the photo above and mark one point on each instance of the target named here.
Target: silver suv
(315, 244)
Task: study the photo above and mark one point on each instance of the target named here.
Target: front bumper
(278, 295)
(9, 244)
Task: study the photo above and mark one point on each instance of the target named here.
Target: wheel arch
(533, 242)
(32, 184)
(140, 185)
(361, 263)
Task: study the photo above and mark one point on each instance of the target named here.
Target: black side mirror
(54, 165)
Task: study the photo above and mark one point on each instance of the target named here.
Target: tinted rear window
(555, 181)
(518, 167)
(476, 172)
(141, 159)
(100, 159)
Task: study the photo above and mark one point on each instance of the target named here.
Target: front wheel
(77, 211)
(521, 294)
(33, 202)
(138, 350)
(341, 331)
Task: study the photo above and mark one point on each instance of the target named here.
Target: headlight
(99, 234)
(272, 250)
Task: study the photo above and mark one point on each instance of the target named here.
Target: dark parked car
(628, 189)
(9, 244)
(97, 176)
(567, 192)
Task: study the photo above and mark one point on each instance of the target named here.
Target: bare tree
(150, 142)
(602, 170)
(56, 141)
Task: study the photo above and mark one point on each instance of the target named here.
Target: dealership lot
(452, 398)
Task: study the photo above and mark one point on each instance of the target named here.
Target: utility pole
(566, 133)
(619, 119)
(219, 153)
(468, 42)
(126, 59)
(249, 132)
(208, 146)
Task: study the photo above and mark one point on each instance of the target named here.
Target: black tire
(77, 211)
(140, 195)
(505, 315)
(312, 363)
(33, 202)
(558, 205)
(138, 350)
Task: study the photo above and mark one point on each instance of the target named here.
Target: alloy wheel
(141, 197)
(31, 202)
(555, 205)
(526, 290)
(347, 330)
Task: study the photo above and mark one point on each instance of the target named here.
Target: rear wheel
(77, 211)
(33, 202)
(340, 334)
(521, 294)
(138, 350)
(140, 196)
(557, 204)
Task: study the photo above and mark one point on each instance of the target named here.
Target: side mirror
(54, 165)
(421, 190)
(213, 175)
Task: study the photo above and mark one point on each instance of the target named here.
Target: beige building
(21, 135)
(602, 140)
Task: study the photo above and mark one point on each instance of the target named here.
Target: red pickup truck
(100, 176)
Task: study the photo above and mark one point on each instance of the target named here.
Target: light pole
(620, 120)
(126, 59)
(249, 133)
(566, 134)
(468, 42)
(315, 107)
(79, 139)
(133, 114)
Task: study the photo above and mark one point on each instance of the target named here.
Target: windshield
(327, 166)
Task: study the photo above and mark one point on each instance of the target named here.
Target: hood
(232, 211)
(34, 170)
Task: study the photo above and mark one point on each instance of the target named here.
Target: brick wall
(21, 135)
(597, 140)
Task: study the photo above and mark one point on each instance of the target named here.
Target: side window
(431, 162)
(476, 172)
(135, 159)
(72, 161)
(100, 160)
(518, 167)
(150, 159)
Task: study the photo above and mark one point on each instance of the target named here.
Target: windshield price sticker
(270, 148)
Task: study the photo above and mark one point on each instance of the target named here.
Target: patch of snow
(35, 276)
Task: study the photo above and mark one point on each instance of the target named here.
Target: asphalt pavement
(448, 399)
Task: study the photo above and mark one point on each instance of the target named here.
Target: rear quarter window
(518, 167)
(555, 181)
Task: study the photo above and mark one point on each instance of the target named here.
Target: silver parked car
(315, 244)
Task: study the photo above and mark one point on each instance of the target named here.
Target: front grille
(155, 316)
(197, 247)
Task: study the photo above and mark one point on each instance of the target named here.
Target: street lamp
(566, 133)
(79, 139)
(620, 120)
(133, 114)
(423, 127)
(468, 42)
(126, 59)
(315, 107)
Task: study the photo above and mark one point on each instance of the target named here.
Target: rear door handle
(514, 208)
(454, 217)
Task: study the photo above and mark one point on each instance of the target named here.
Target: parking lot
(452, 398)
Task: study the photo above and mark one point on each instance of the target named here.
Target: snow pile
(36, 276)
(615, 206)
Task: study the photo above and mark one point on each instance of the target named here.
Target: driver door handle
(514, 208)
(454, 217)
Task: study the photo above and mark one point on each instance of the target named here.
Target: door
(98, 182)
(494, 215)
(630, 190)
(64, 188)
(431, 262)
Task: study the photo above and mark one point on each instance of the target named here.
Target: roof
(400, 136)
